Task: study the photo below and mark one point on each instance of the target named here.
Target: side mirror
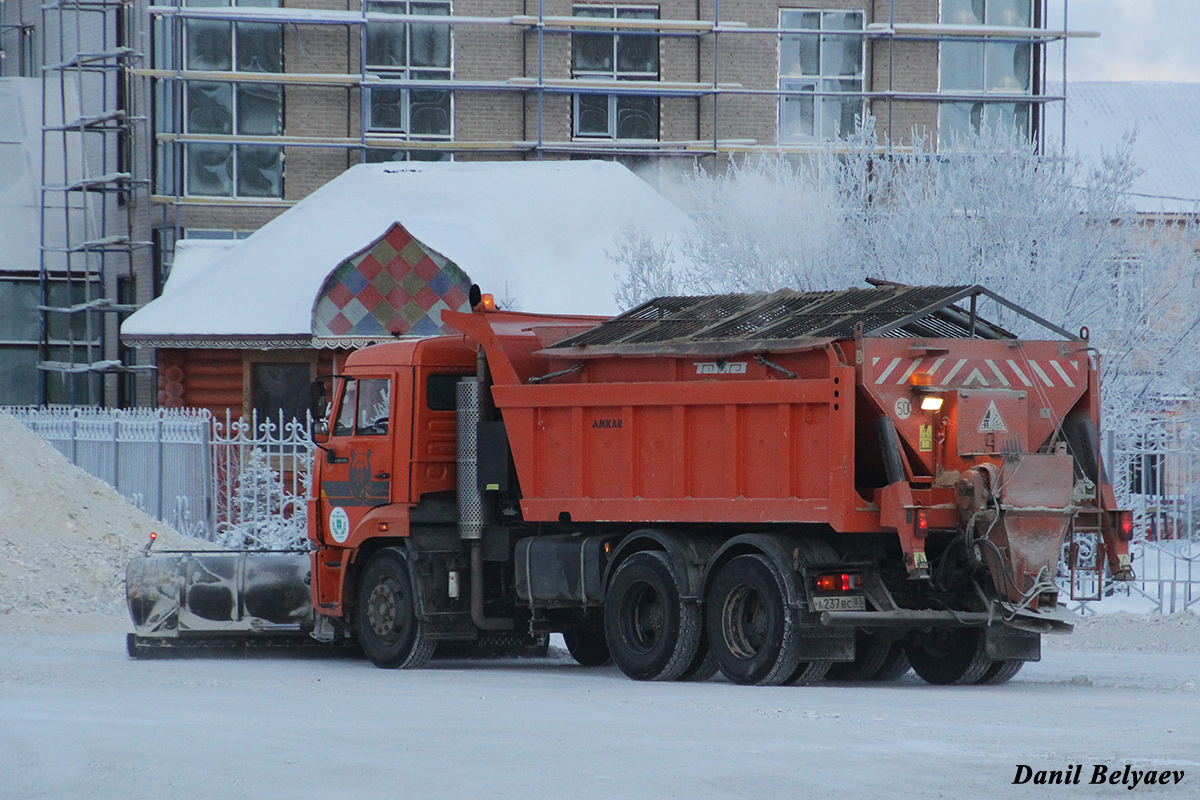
(320, 431)
(318, 403)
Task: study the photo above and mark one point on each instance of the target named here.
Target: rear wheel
(587, 645)
(894, 666)
(652, 634)
(704, 664)
(750, 628)
(949, 656)
(1000, 672)
(808, 672)
(869, 654)
(392, 634)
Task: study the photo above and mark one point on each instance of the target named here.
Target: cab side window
(344, 425)
(365, 407)
(374, 407)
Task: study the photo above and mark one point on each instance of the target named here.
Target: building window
(409, 51)
(281, 392)
(980, 68)
(242, 109)
(382, 155)
(215, 233)
(217, 45)
(624, 56)
(821, 61)
(72, 337)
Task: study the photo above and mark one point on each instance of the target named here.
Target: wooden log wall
(217, 379)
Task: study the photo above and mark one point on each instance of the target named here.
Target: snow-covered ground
(78, 719)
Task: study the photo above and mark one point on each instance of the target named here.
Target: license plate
(842, 603)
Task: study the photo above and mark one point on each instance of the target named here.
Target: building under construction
(207, 118)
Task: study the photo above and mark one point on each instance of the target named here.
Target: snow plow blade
(182, 597)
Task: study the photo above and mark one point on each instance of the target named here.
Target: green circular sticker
(339, 524)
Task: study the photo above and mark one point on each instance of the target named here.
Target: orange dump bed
(685, 418)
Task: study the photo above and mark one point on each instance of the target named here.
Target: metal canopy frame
(790, 320)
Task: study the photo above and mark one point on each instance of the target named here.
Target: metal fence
(236, 482)
(245, 483)
(1155, 469)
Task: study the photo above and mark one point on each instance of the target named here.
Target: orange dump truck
(777, 486)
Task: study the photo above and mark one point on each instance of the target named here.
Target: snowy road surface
(80, 720)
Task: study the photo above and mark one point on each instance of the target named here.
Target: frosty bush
(1046, 232)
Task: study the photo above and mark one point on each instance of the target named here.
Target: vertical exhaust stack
(472, 510)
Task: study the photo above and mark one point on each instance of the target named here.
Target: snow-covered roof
(537, 233)
(1166, 117)
(192, 258)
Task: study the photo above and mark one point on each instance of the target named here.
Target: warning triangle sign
(992, 421)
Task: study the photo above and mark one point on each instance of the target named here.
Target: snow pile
(1161, 633)
(65, 538)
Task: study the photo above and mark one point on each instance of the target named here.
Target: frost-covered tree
(1048, 233)
(263, 514)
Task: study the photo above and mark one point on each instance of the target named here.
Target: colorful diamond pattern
(394, 286)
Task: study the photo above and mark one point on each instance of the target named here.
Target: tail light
(839, 582)
(921, 526)
(1125, 529)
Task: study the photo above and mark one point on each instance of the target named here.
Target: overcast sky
(1140, 40)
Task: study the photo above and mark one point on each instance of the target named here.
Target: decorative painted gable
(397, 286)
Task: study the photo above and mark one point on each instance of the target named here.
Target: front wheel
(587, 645)
(751, 629)
(652, 633)
(391, 633)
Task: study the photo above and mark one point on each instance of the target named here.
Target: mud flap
(1005, 643)
(824, 643)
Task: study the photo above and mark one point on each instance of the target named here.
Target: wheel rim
(942, 643)
(745, 622)
(382, 610)
(643, 618)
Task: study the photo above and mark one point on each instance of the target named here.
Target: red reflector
(1126, 525)
(827, 583)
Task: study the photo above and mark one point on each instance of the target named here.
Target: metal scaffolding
(88, 191)
(535, 84)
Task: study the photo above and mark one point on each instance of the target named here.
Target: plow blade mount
(206, 593)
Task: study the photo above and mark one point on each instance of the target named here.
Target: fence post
(207, 469)
(116, 450)
(1109, 457)
(158, 428)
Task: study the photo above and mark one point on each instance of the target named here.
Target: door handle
(381, 476)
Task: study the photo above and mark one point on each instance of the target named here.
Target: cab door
(369, 440)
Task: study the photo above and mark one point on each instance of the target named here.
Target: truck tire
(587, 645)
(652, 634)
(808, 672)
(751, 629)
(704, 664)
(870, 652)
(391, 633)
(949, 656)
(895, 666)
(1000, 672)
